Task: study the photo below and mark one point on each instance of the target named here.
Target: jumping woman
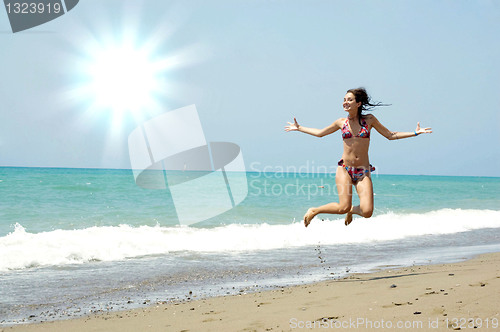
(354, 167)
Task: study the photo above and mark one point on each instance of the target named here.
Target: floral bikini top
(363, 131)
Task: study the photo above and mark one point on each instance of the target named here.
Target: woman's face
(350, 103)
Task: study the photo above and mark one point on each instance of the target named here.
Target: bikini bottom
(356, 173)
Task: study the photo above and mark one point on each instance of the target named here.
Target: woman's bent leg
(364, 187)
(344, 189)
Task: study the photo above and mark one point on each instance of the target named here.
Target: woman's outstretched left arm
(392, 135)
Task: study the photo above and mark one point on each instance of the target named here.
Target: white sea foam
(20, 249)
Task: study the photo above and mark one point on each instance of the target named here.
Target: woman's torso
(356, 139)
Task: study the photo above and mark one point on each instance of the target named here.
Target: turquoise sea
(76, 241)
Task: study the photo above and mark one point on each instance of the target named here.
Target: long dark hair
(362, 96)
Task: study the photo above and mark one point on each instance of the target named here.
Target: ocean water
(77, 241)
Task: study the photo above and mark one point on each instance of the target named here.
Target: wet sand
(464, 295)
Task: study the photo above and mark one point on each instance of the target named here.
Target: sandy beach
(462, 295)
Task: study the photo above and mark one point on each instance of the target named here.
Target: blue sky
(251, 66)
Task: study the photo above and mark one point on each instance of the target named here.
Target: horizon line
(131, 169)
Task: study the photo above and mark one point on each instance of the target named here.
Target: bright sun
(121, 75)
(123, 79)
(122, 82)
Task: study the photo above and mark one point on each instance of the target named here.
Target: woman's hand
(419, 130)
(292, 126)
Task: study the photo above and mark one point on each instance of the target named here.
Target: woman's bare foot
(308, 216)
(348, 218)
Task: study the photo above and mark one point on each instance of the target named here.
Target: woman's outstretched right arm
(313, 131)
